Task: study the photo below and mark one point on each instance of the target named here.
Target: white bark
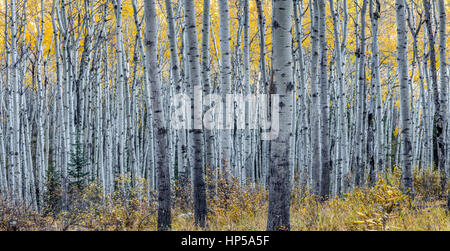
(279, 181)
(160, 130)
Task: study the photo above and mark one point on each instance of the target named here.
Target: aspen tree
(210, 161)
(155, 94)
(444, 79)
(402, 50)
(302, 103)
(225, 86)
(16, 161)
(375, 9)
(315, 111)
(443, 145)
(279, 182)
(324, 109)
(361, 98)
(196, 134)
(176, 78)
(248, 154)
(438, 120)
(263, 84)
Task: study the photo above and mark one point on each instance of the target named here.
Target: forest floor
(234, 207)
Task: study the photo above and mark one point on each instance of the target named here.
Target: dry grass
(235, 207)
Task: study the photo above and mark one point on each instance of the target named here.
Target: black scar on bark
(276, 24)
(162, 131)
(290, 87)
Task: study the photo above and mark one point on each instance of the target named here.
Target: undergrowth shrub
(362, 209)
(128, 208)
(235, 205)
(182, 194)
(18, 217)
(231, 203)
(428, 183)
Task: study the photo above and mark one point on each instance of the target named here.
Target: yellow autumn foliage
(76, 9)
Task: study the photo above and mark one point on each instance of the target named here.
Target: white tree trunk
(279, 181)
(160, 130)
(402, 50)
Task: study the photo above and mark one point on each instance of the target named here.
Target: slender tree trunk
(438, 129)
(225, 73)
(160, 130)
(302, 103)
(262, 86)
(176, 78)
(324, 103)
(445, 114)
(206, 72)
(361, 99)
(196, 134)
(279, 187)
(375, 9)
(248, 154)
(314, 115)
(402, 50)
